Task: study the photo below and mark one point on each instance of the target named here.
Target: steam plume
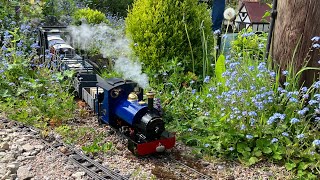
(110, 42)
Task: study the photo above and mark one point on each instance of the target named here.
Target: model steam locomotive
(116, 101)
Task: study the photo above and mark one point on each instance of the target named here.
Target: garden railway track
(164, 163)
(94, 169)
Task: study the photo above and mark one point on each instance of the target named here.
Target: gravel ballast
(23, 156)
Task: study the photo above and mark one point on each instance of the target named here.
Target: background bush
(58, 11)
(114, 7)
(90, 16)
(163, 30)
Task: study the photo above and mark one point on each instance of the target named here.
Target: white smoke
(111, 42)
(131, 70)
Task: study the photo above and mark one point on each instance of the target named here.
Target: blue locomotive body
(115, 102)
(121, 106)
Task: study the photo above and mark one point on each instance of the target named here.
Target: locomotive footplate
(167, 141)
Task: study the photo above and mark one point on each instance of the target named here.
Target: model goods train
(116, 101)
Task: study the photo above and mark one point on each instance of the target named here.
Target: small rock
(232, 178)
(120, 146)
(78, 175)
(2, 169)
(40, 147)
(220, 167)
(13, 176)
(27, 147)
(49, 158)
(13, 135)
(13, 167)
(33, 153)
(2, 133)
(116, 171)
(269, 173)
(16, 148)
(4, 146)
(27, 136)
(8, 157)
(63, 149)
(26, 153)
(29, 157)
(22, 140)
(6, 139)
(205, 163)
(6, 175)
(68, 167)
(21, 158)
(24, 173)
(9, 130)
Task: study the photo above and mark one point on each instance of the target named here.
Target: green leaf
(258, 153)
(59, 76)
(253, 160)
(68, 73)
(267, 150)
(220, 69)
(21, 91)
(277, 156)
(290, 166)
(5, 93)
(267, 14)
(247, 148)
(241, 147)
(303, 166)
(262, 143)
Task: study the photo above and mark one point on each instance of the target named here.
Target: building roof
(256, 11)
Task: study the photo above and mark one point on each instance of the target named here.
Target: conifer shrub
(90, 16)
(163, 30)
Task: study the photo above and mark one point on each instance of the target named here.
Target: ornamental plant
(167, 29)
(247, 114)
(29, 91)
(89, 16)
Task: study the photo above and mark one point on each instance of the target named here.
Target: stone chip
(78, 175)
(24, 173)
(28, 147)
(4, 146)
(13, 167)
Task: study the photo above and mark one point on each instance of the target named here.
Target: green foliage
(220, 68)
(30, 92)
(58, 11)
(245, 113)
(90, 16)
(95, 147)
(79, 135)
(249, 44)
(163, 30)
(114, 7)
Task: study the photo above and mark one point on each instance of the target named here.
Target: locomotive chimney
(150, 96)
